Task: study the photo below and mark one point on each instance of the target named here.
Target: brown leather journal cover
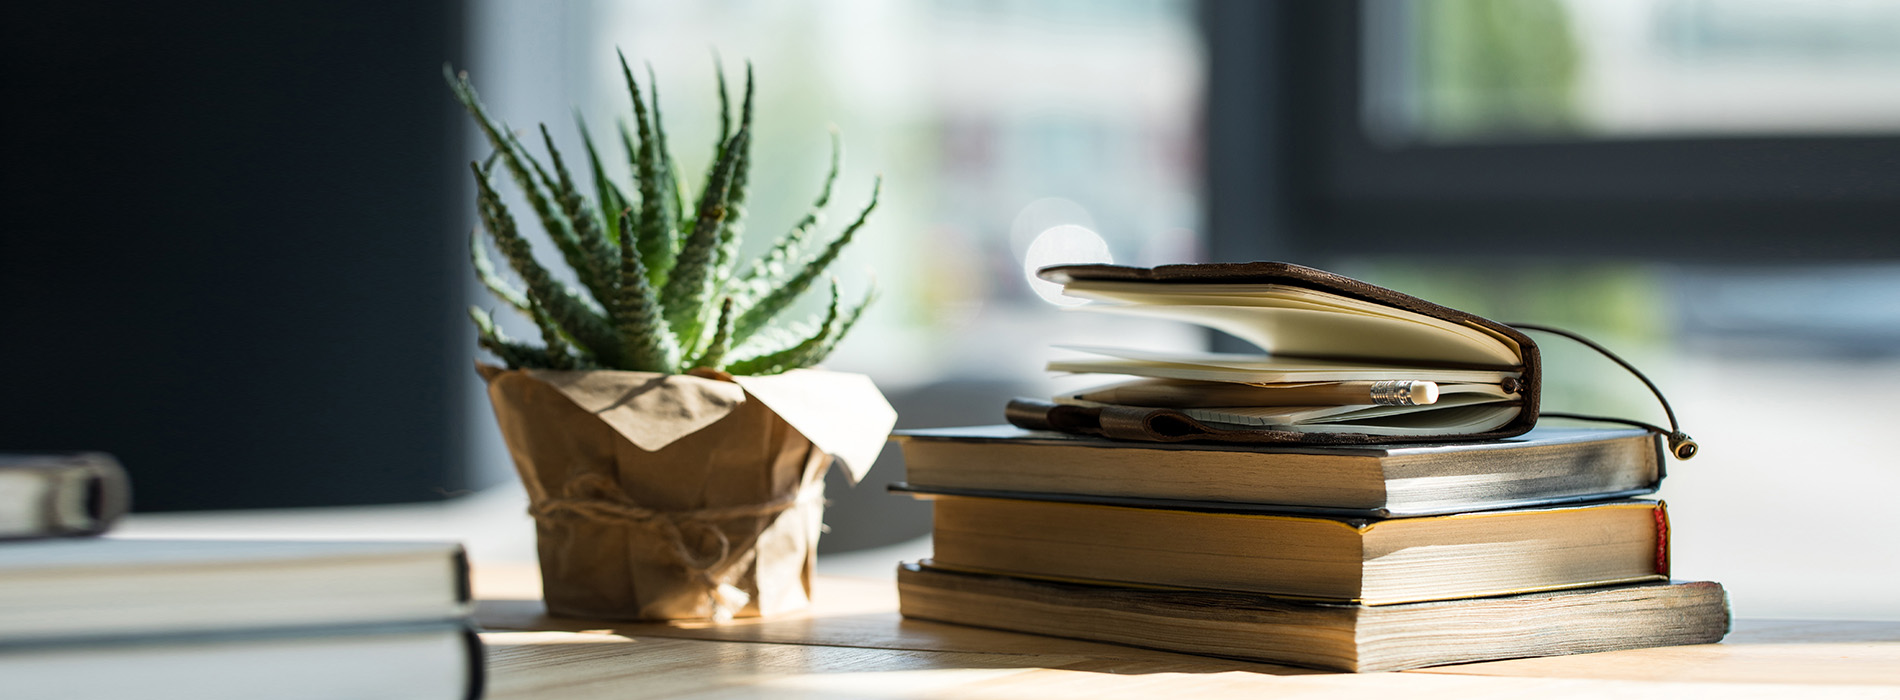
(1169, 425)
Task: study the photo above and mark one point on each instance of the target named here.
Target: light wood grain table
(853, 645)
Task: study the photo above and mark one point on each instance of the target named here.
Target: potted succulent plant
(671, 441)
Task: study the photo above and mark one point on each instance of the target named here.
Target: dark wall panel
(229, 252)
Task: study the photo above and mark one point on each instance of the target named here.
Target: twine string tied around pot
(595, 497)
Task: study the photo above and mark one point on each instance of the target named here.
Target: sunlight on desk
(580, 665)
(853, 644)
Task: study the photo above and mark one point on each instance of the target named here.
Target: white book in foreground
(422, 661)
(110, 588)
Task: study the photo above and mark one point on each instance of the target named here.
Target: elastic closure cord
(1680, 444)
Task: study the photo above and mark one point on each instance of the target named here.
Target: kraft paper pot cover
(669, 497)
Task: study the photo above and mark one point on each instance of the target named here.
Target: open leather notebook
(1342, 361)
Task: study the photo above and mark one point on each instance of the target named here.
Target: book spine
(464, 583)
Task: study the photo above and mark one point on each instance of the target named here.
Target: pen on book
(1167, 394)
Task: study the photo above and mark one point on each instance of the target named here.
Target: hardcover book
(1369, 561)
(116, 617)
(416, 661)
(1341, 637)
(1544, 466)
(109, 588)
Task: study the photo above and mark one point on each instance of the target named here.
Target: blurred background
(235, 252)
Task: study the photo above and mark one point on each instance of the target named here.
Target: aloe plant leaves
(663, 288)
(539, 187)
(565, 306)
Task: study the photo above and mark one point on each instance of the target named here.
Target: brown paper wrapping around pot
(664, 497)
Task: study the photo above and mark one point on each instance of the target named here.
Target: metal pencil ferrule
(1393, 393)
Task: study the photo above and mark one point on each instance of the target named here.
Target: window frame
(1293, 174)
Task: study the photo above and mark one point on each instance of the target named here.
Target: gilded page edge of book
(1357, 523)
(1360, 602)
(926, 492)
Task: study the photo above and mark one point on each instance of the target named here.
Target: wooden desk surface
(852, 644)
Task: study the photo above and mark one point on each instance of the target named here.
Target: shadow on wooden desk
(853, 644)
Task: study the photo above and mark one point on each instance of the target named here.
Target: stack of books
(1363, 558)
(87, 615)
(1370, 492)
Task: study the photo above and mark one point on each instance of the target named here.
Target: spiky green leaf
(485, 271)
(597, 260)
(731, 228)
(781, 296)
(755, 280)
(656, 239)
(512, 353)
(612, 203)
(844, 327)
(559, 354)
(559, 226)
(535, 182)
(798, 355)
(639, 320)
(670, 180)
(716, 349)
(725, 107)
(690, 286)
(587, 326)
